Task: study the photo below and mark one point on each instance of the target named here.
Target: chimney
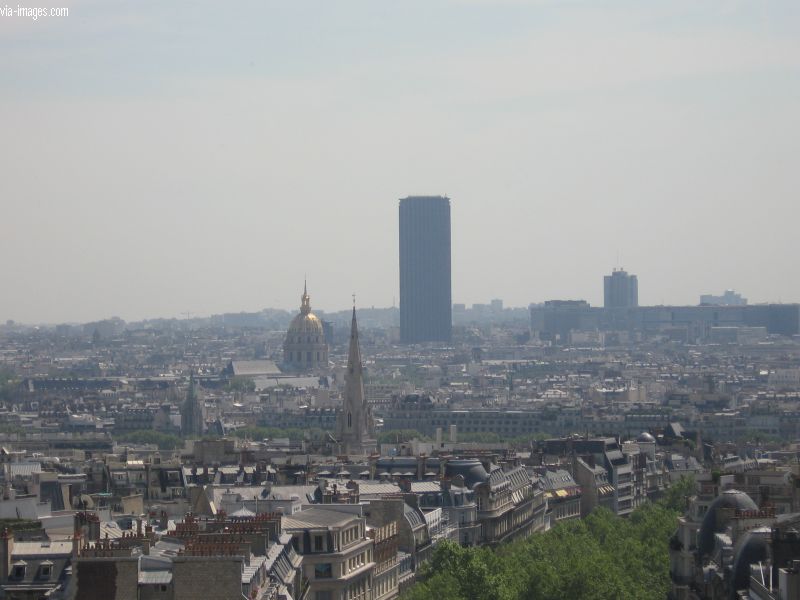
(454, 433)
(6, 549)
(93, 528)
(76, 543)
(438, 436)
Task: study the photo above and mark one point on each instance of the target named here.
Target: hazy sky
(160, 157)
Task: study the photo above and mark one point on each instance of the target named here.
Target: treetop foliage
(164, 441)
(601, 557)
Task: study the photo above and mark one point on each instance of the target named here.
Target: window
(324, 596)
(46, 570)
(318, 547)
(19, 571)
(323, 571)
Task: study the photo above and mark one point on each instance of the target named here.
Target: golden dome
(305, 348)
(306, 323)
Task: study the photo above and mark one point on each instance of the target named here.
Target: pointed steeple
(305, 300)
(355, 426)
(354, 355)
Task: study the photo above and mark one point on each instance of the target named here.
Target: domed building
(305, 348)
(645, 438)
(718, 516)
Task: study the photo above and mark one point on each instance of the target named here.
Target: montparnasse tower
(305, 349)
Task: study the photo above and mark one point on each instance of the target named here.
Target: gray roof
(518, 477)
(556, 480)
(260, 492)
(23, 469)
(252, 368)
(285, 492)
(379, 489)
(41, 549)
(167, 547)
(266, 382)
(421, 487)
(313, 518)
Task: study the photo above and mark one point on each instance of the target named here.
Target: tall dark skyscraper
(620, 290)
(425, 297)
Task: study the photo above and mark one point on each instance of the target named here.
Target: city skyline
(464, 299)
(152, 153)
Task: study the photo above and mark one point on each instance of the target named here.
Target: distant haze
(163, 157)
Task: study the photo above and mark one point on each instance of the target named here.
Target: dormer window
(45, 569)
(19, 569)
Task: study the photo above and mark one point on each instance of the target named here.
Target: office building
(620, 290)
(425, 295)
(556, 319)
(729, 298)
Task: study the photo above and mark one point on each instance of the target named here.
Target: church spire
(354, 355)
(355, 426)
(305, 300)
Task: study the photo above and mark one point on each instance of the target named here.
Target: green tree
(261, 433)
(164, 441)
(8, 384)
(603, 557)
(399, 436)
(676, 497)
(241, 384)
